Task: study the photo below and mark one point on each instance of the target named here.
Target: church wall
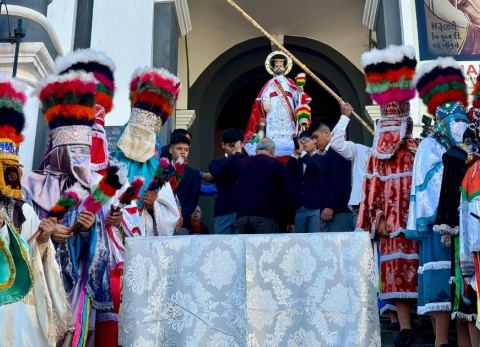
(216, 27)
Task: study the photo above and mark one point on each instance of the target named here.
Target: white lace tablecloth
(250, 290)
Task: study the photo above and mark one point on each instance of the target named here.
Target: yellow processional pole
(297, 61)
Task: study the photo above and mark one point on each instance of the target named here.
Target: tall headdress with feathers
(12, 123)
(68, 105)
(15, 273)
(103, 69)
(153, 93)
(389, 73)
(442, 88)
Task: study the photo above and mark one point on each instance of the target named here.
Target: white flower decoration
(140, 275)
(219, 268)
(261, 308)
(298, 265)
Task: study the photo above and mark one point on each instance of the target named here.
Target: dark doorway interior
(236, 110)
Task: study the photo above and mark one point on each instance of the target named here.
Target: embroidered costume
(441, 86)
(33, 303)
(153, 93)
(103, 68)
(469, 237)
(386, 189)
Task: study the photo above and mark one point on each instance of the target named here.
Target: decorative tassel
(132, 192)
(178, 176)
(301, 79)
(163, 174)
(114, 179)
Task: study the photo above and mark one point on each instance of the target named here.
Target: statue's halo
(268, 66)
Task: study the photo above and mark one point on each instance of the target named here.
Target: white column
(123, 29)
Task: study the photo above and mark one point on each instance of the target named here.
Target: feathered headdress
(442, 87)
(154, 90)
(12, 123)
(389, 73)
(153, 93)
(97, 63)
(68, 99)
(476, 93)
(12, 101)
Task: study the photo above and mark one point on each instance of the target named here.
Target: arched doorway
(223, 94)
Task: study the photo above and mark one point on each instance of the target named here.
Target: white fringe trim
(84, 56)
(398, 255)
(434, 307)
(388, 307)
(392, 54)
(71, 76)
(464, 316)
(426, 68)
(164, 73)
(435, 265)
(397, 233)
(16, 84)
(398, 295)
(387, 177)
(445, 229)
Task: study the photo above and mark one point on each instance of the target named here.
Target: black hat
(179, 138)
(232, 135)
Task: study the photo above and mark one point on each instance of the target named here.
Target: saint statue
(280, 109)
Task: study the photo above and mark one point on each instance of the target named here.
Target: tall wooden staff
(297, 61)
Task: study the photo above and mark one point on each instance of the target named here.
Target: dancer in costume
(274, 113)
(153, 93)
(441, 86)
(125, 222)
(455, 164)
(469, 236)
(33, 302)
(68, 104)
(389, 73)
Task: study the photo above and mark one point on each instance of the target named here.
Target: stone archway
(228, 77)
(223, 94)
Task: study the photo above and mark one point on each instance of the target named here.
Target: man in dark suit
(225, 204)
(304, 170)
(264, 202)
(335, 183)
(188, 190)
(165, 150)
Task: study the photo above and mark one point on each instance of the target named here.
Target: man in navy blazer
(335, 183)
(188, 191)
(225, 204)
(304, 170)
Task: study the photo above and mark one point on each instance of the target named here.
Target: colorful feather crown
(68, 99)
(12, 101)
(476, 93)
(154, 90)
(441, 81)
(97, 63)
(389, 73)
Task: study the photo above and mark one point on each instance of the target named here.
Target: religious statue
(281, 108)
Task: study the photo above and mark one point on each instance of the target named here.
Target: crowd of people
(63, 225)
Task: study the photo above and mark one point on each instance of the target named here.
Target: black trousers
(256, 225)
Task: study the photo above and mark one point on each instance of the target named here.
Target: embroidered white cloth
(250, 290)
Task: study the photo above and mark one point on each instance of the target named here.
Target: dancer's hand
(346, 109)
(149, 199)
(47, 227)
(86, 220)
(115, 218)
(60, 233)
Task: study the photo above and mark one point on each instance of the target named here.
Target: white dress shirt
(354, 152)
